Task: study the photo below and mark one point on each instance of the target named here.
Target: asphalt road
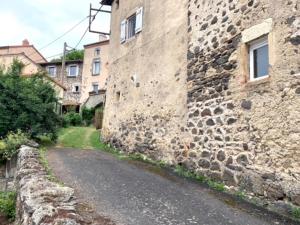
(134, 193)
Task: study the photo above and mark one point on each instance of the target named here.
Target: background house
(71, 78)
(31, 59)
(95, 73)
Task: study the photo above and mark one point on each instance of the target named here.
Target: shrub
(88, 115)
(72, 118)
(27, 103)
(8, 204)
(12, 143)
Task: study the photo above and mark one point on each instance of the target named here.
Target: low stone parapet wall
(40, 201)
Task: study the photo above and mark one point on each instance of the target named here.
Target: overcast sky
(42, 21)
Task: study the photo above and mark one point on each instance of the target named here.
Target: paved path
(134, 193)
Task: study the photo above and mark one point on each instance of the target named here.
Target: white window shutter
(123, 31)
(139, 20)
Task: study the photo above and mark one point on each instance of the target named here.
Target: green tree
(72, 55)
(75, 55)
(27, 104)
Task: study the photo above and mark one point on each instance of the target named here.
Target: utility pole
(63, 63)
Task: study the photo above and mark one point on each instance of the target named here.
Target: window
(96, 67)
(97, 52)
(73, 71)
(259, 59)
(132, 25)
(51, 71)
(118, 96)
(96, 88)
(76, 88)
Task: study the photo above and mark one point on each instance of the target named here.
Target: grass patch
(74, 137)
(296, 212)
(183, 172)
(8, 204)
(45, 164)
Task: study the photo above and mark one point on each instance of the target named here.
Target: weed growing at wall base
(296, 212)
(8, 204)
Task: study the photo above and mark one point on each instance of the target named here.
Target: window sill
(71, 76)
(264, 80)
(97, 74)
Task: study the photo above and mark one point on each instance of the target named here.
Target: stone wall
(146, 92)
(40, 201)
(205, 113)
(244, 133)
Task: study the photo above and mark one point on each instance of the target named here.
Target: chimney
(25, 42)
(102, 37)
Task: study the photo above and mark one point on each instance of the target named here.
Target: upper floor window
(51, 71)
(259, 59)
(132, 25)
(73, 70)
(95, 87)
(96, 67)
(97, 52)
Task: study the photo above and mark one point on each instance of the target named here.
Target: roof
(38, 65)
(107, 2)
(96, 43)
(59, 63)
(24, 46)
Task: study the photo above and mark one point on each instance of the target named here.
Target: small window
(97, 51)
(96, 67)
(51, 71)
(131, 21)
(76, 88)
(73, 70)
(259, 59)
(118, 96)
(95, 88)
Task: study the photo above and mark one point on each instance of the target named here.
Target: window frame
(130, 19)
(97, 52)
(93, 67)
(93, 85)
(77, 70)
(252, 47)
(125, 34)
(55, 71)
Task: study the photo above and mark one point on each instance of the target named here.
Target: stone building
(95, 73)
(211, 85)
(146, 98)
(71, 78)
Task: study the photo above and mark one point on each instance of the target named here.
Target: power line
(64, 34)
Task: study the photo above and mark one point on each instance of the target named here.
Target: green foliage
(241, 194)
(182, 171)
(8, 204)
(73, 55)
(12, 143)
(45, 163)
(27, 104)
(296, 212)
(72, 119)
(88, 115)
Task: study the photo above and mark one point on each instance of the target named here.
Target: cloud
(15, 30)
(41, 21)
